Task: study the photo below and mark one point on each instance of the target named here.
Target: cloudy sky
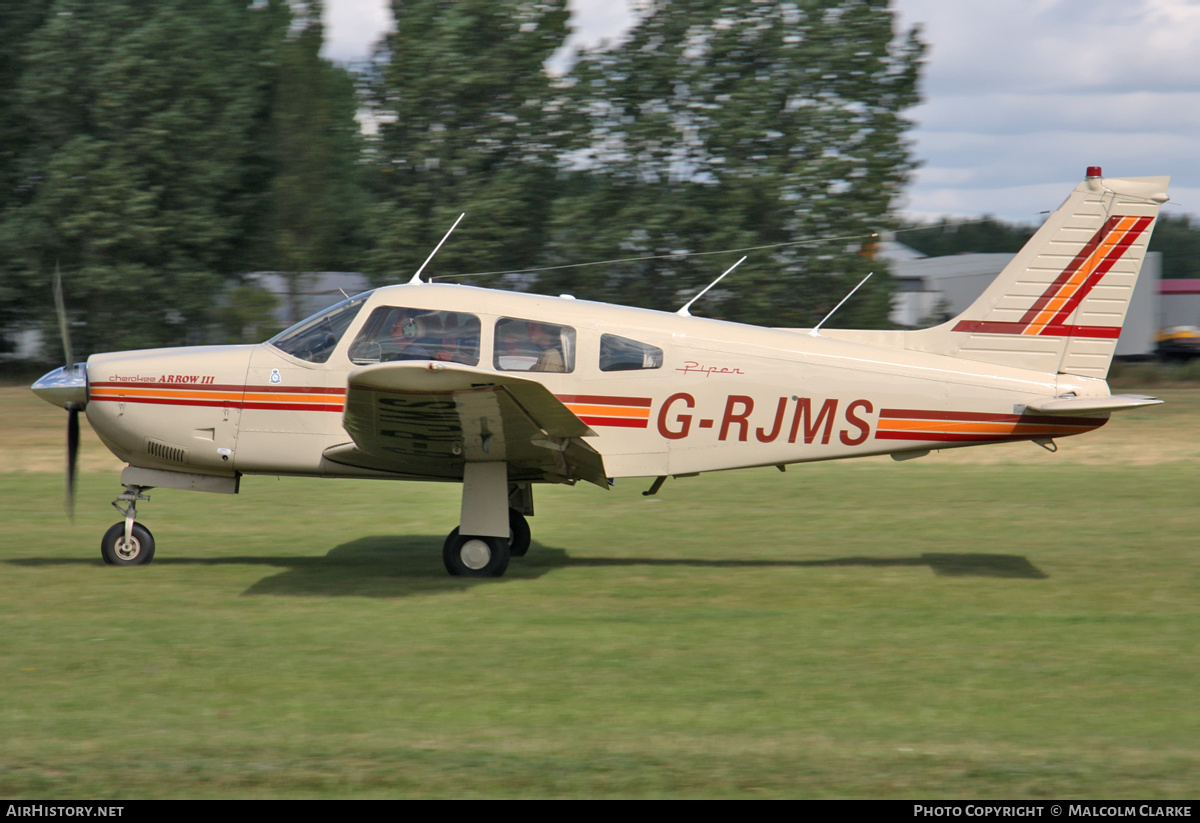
(1020, 96)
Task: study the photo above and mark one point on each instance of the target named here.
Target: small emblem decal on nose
(275, 378)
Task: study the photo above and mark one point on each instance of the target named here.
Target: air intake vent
(164, 451)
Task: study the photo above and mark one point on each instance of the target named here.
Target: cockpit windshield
(315, 339)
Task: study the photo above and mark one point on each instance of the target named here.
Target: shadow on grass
(379, 566)
(399, 566)
(949, 565)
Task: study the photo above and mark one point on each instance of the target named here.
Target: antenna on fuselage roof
(683, 312)
(416, 278)
(814, 329)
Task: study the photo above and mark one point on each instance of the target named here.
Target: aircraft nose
(66, 386)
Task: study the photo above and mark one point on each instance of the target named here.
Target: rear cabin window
(623, 354)
(531, 345)
(400, 333)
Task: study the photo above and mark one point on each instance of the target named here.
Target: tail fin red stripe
(1056, 325)
(1106, 264)
(1086, 252)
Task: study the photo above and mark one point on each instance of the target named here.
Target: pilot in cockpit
(401, 342)
(549, 341)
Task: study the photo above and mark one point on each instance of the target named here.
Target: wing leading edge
(424, 419)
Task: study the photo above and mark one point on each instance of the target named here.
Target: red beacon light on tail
(1093, 171)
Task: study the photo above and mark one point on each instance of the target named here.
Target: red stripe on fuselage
(623, 422)
(231, 404)
(602, 400)
(984, 417)
(325, 399)
(218, 387)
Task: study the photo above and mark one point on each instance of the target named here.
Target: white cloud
(352, 27)
(1025, 92)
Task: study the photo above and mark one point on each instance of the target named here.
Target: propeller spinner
(67, 387)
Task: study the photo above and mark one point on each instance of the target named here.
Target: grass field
(989, 623)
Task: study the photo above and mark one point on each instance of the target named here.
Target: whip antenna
(416, 278)
(813, 332)
(683, 312)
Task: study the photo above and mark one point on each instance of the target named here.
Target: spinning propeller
(67, 387)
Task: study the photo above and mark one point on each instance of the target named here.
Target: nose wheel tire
(474, 556)
(137, 551)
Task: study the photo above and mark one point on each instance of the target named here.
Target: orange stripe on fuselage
(607, 411)
(168, 392)
(293, 398)
(190, 394)
(974, 427)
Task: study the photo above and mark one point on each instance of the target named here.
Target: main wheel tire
(518, 533)
(138, 551)
(474, 556)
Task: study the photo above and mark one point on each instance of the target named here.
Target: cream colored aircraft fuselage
(501, 390)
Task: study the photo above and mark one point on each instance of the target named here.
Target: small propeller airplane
(501, 391)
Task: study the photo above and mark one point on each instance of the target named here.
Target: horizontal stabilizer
(1092, 405)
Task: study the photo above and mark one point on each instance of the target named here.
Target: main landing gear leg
(480, 546)
(128, 543)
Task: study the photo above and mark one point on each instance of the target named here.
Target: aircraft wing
(423, 419)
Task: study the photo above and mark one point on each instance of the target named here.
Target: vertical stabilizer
(1059, 305)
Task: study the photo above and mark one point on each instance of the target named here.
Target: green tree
(717, 126)
(955, 236)
(248, 314)
(147, 162)
(1179, 241)
(1176, 237)
(465, 116)
(18, 21)
(318, 203)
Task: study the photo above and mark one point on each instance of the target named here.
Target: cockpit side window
(315, 339)
(531, 345)
(400, 333)
(623, 354)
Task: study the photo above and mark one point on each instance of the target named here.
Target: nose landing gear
(128, 543)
